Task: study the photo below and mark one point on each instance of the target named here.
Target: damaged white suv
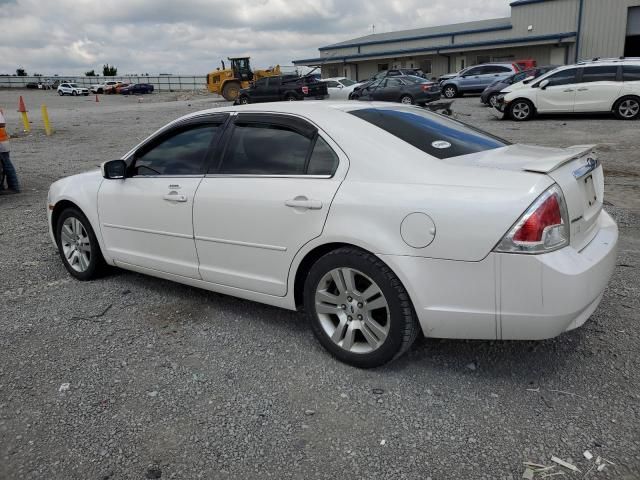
(597, 86)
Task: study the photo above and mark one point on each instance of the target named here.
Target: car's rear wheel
(406, 99)
(450, 91)
(627, 108)
(244, 100)
(358, 308)
(290, 98)
(78, 245)
(521, 110)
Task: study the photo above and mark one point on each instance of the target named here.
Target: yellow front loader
(228, 81)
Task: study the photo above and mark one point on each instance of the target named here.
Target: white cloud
(191, 36)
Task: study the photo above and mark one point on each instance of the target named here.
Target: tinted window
(332, 84)
(474, 71)
(600, 74)
(631, 73)
(564, 77)
(261, 83)
(260, 149)
(431, 133)
(347, 83)
(323, 160)
(181, 154)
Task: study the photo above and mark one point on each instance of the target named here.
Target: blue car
(138, 88)
(475, 79)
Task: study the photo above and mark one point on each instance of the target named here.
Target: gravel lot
(171, 381)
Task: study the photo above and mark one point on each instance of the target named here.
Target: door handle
(568, 90)
(583, 89)
(174, 197)
(304, 202)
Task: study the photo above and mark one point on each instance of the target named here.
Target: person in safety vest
(9, 170)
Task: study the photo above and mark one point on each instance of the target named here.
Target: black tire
(291, 97)
(73, 93)
(521, 110)
(406, 99)
(450, 91)
(491, 100)
(625, 107)
(61, 93)
(401, 322)
(100, 90)
(97, 266)
(230, 91)
(244, 100)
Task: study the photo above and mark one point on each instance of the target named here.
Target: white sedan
(377, 220)
(339, 88)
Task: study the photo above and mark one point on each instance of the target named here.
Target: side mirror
(340, 85)
(114, 169)
(528, 80)
(544, 84)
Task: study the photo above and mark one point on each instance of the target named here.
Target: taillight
(305, 90)
(543, 228)
(427, 86)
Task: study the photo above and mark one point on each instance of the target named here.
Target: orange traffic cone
(97, 100)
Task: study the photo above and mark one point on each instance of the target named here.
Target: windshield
(434, 134)
(346, 82)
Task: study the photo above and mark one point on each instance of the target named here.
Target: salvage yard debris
(536, 470)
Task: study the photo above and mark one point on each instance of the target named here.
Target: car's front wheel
(627, 108)
(493, 100)
(78, 245)
(358, 308)
(521, 110)
(450, 91)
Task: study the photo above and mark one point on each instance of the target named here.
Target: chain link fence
(161, 83)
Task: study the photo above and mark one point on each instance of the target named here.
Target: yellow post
(45, 119)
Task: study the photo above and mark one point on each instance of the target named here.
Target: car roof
(335, 79)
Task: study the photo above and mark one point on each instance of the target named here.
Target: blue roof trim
(519, 3)
(557, 36)
(419, 37)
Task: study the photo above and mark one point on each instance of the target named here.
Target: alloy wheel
(352, 310)
(521, 111)
(76, 245)
(629, 108)
(449, 92)
(406, 100)
(493, 100)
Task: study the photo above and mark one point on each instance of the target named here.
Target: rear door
(390, 90)
(146, 218)
(267, 197)
(598, 89)
(560, 94)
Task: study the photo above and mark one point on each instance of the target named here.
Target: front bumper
(510, 296)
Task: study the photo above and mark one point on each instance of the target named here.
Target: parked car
(384, 74)
(406, 89)
(378, 220)
(46, 85)
(475, 79)
(136, 89)
(101, 87)
(113, 89)
(339, 88)
(490, 94)
(289, 88)
(31, 85)
(589, 87)
(72, 89)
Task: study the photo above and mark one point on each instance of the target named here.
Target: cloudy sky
(191, 36)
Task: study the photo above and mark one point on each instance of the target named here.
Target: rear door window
(433, 134)
(600, 74)
(631, 73)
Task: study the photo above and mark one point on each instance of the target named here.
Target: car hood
(519, 157)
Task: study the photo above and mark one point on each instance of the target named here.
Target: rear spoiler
(553, 162)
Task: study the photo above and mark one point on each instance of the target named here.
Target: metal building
(549, 31)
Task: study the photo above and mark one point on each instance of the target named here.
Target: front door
(471, 79)
(389, 91)
(269, 196)
(146, 218)
(560, 94)
(599, 87)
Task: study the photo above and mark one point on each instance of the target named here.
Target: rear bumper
(510, 296)
(428, 97)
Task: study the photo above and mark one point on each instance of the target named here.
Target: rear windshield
(434, 134)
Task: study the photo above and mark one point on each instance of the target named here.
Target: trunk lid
(576, 170)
